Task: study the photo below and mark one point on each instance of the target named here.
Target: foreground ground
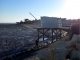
(19, 37)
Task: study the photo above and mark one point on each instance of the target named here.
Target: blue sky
(16, 10)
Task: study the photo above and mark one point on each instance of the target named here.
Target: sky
(17, 10)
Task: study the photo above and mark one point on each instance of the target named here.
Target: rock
(73, 43)
(60, 44)
(78, 46)
(45, 55)
(78, 40)
(73, 40)
(75, 54)
(57, 54)
(60, 53)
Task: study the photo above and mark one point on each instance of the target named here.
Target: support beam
(56, 34)
(44, 32)
(60, 33)
(38, 34)
(52, 35)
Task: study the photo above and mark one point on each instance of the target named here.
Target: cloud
(71, 9)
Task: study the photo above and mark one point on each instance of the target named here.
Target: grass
(65, 38)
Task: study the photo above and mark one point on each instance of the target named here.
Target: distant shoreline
(8, 23)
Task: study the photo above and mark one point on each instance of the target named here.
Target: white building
(51, 22)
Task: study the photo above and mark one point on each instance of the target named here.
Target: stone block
(75, 54)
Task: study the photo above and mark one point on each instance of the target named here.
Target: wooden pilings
(42, 33)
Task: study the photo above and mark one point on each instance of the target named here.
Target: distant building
(66, 23)
(75, 21)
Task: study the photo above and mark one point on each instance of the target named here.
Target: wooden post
(60, 33)
(38, 39)
(52, 35)
(38, 34)
(56, 34)
(43, 34)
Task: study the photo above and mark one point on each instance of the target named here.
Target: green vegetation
(27, 21)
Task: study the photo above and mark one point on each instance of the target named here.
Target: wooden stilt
(60, 33)
(43, 34)
(52, 35)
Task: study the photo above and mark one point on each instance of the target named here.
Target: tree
(21, 22)
(26, 20)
